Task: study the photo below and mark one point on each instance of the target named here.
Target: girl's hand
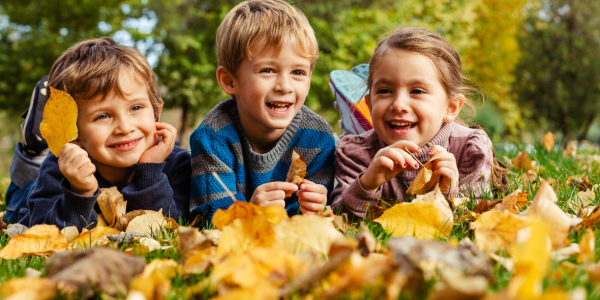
(272, 193)
(312, 197)
(387, 163)
(445, 165)
(159, 152)
(75, 164)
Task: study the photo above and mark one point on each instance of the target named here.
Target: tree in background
(558, 77)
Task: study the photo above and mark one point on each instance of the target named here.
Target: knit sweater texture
(471, 149)
(154, 186)
(220, 145)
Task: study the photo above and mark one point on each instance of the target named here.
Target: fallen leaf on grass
(29, 289)
(70, 233)
(496, 230)
(513, 202)
(326, 213)
(454, 285)
(485, 206)
(342, 223)
(59, 125)
(297, 171)
(436, 198)
(98, 269)
(357, 272)
(571, 150)
(273, 214)
(263, 291)
(531, 260)
(197, 248)
(306, 233)
(548, 141)
(460, 204)
(39, 240)
(522, 162)
(587, 247)
(421, 220)
(13, 230)
(530, 177)
(425, 179)
(89, 238)
(584, 199)
(150, 224)
(143, 245)
(111, 204)
(155, 282)
(581, 182)
(544, 208)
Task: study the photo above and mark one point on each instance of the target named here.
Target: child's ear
(226, 80)
(158, 109)
(455, 105)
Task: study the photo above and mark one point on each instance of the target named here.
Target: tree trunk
(185, 107)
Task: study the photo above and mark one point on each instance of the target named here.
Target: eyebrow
(410, 82)
(104, 107)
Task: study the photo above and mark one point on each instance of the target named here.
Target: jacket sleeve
(210, 153)
(351, 161)
(52, 202)
(165, 186)
(475, 166)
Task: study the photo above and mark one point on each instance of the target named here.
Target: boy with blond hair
(266, 51)
(119, 106)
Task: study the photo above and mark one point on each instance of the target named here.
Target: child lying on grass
(415, 95)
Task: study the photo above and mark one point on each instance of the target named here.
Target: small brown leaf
(111, 204)
(522, 162)
(485, 205)
(548, 141)
(297, 171)
(425, 179)
(326, 213)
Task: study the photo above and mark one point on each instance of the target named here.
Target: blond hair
(275, 21)
(444, 57)
(91, 68)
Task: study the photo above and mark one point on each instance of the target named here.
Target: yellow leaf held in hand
(531, 260)
(304, 233)
(425, 179)
(496, 230)
(39, 240)
(548, 141)
(421, 220)
(59, 125)
(436, 198)
(112, 205)
(297, 171)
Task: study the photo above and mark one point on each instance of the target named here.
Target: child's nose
(283, 84)
(400, 104)
(124, 126)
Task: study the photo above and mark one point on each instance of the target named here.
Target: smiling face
(116, 131)
(407, 99)
(270, 90)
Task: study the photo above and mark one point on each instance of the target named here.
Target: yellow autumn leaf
(586, 247)
(246, 270)
(421, 220)
(111, 204)
(87, 238)
(548, 140)
(544, 207)
(425, 179)
(522, 162)
(245, 234)
(496, 230)
(39, 240)
(356, 272)
(304, 233)
(70, 232)
(513, 202)
(29, 289)
(263, 291)
(273, 214)
(436, 198)
(59, 124)
(531, 259)
(155, 281)
(150, 223)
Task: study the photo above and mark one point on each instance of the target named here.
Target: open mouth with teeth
(125, 146)
(402, 125)
(278, 106)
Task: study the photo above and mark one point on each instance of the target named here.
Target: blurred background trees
(535, 61)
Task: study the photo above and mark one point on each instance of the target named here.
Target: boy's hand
(272, 193)
(312, 197)
(77, 167)
(445, 165)
(159, 152)
(387, 163)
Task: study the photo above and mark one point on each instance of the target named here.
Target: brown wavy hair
(91, 69)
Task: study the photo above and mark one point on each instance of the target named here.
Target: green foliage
(558, 77)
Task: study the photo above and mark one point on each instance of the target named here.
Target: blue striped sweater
(219, 144)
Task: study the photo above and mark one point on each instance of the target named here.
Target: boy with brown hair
(266, 51)
(119, 106)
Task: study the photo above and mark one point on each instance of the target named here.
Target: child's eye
(102, 116)
(137, 107)
(383, 91)
(267, 71)
(417, 91)
(298, 72)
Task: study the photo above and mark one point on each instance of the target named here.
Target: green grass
(552, 165)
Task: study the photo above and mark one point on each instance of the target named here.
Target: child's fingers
(445, 156)
(312, 206)
(87, 169)
(385, 162)
(311, 187)
(436, 149)
(306, 211)
(279, 185)
(406, 145)
(441, 167)
(312, 197)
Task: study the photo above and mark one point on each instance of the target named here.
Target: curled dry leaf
(70, 233)
(485, 206)
(197, 248)
(544, 207)
(29, 288)
(548, 141)
(59, 124)
(326, 213)
(496, 230)
(90, 238)
(342, 223)
(421, 220)
(150, 224)
(425, 179)
(580, 181)
(366, 240)
(39, 240)
(306, 233)
(112, 205)
(522, 162)
(297, 171)
(97, 269)
(513, 202)
(436, 198)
